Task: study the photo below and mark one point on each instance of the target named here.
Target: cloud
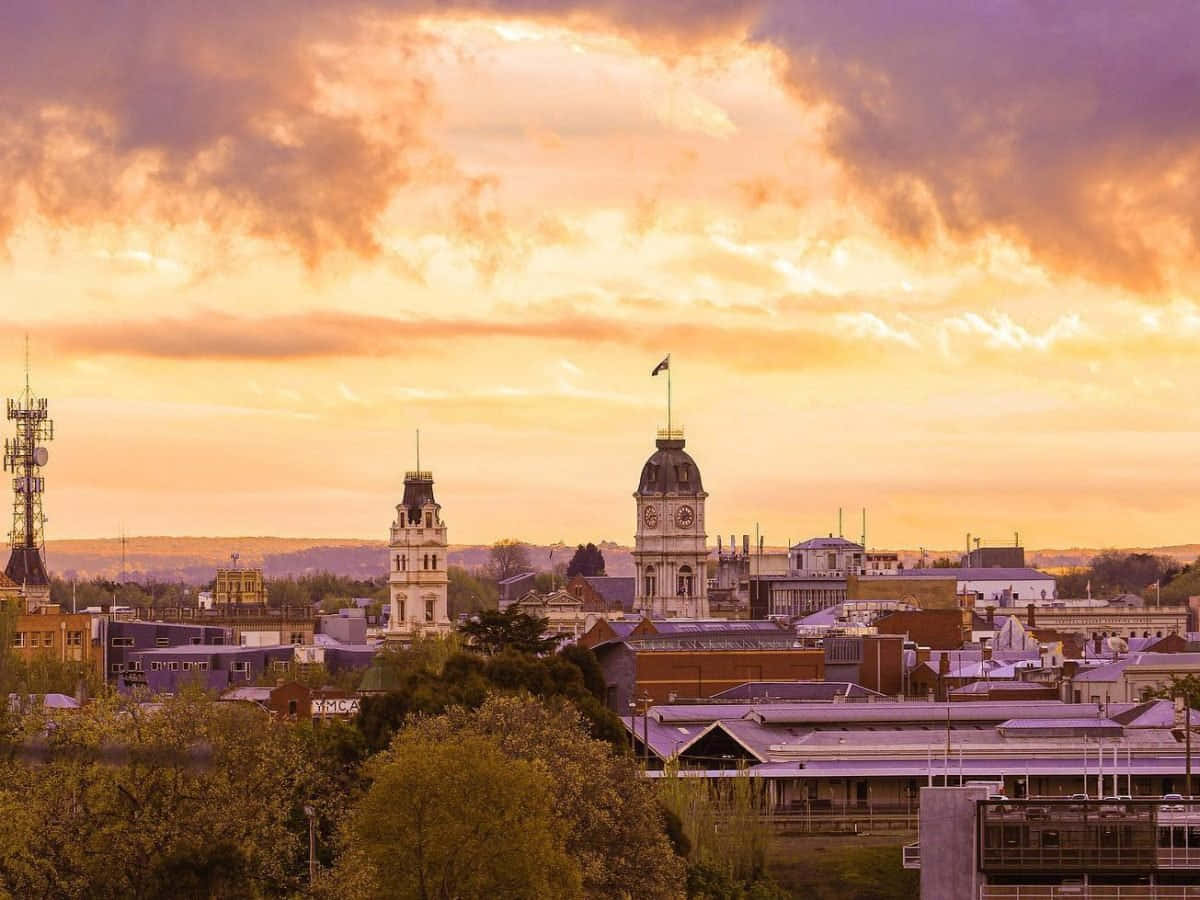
(1000, 332)
(1069, 127)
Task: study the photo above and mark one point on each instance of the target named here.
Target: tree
(613, 826)
(944, 562)
(467, 593)
(492, 632)
(195, 806)
(587, 561)
(508, 557)
(458, 818)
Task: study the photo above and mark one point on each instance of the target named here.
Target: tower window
(428, 520)
(399, 563)
(435, 561)
(403, 560)
(684, 581)
(428, 610)
(425, 561)
(651, 582)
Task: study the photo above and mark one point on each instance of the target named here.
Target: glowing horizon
(940, 263)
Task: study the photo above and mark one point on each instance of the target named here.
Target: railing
(1070, 858)
(1179, 857)
(862, 821)
(1090, 892)
(912, 856)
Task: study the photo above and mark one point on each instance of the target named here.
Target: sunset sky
(938, 260)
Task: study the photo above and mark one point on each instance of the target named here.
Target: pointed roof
(25, 567)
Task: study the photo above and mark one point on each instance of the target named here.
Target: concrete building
(123, 637)
(975, 842)
(995, 586)
(418, 554)
(47, 633)
(216, 668)
(670, 552)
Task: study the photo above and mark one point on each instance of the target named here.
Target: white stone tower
(670, 548)
(417, 553)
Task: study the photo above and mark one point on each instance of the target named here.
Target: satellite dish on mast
(40, 456)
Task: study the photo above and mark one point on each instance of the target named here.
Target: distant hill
(195, 559)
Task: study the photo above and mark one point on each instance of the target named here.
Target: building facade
(239, 587)
(418, 552)
(670, 546)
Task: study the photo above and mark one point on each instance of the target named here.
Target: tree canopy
(508, 557)
(492, 631)
(587, 561)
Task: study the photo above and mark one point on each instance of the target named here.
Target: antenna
(864, 532)
(122, 554)
(840, 522)
(24, 455)
(418, 450)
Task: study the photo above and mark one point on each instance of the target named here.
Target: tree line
(474, 775)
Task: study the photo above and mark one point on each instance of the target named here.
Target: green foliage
(723, 827)
(325, 589)
(588, 561)
(612, 826)
(466, 679)
(1113, 572)
(203, 799)
(458, 819)
(847, 872)
(493, 632)
(944, 562)
(467, 593)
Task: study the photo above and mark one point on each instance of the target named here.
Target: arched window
(428, 610)
(428, 520)
(434, 561)
(403, 563)
(684, 581)
(425, 561)
(651, 582)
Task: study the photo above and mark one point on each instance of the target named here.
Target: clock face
(684, 517)
(650, 517)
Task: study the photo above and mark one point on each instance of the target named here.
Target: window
(428, 610)
(240, 667)
(651, 582)
(292, 708)
(403, 563)
(202, 666)
(74, 638)
(35, 639)
(434, 566)
(297, 637)
(197, 641)
(47, 638)
(428, 521)
(684, 581)
(187, 666)
(400, 610)
(425, 561)
(831, 561)
(162, 642)
(135, 666)
(18, 639)
(117, 667)
(279, 665)
(155, 665)
(122, 642)
(173, 666)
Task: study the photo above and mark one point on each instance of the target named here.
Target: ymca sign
(341, 706)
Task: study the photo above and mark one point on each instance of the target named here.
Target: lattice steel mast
(24, 456)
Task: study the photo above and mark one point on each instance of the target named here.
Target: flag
(665, 364)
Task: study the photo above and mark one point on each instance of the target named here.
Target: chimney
(1097, 643)
(987, 652)
(991, 617)
(944, 664)
(1069, 668)
(1031, 616)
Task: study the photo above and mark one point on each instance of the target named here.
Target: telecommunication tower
(24, 456)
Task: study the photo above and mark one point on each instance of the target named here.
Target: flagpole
(669, 436)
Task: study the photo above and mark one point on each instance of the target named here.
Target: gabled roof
(798, 690)
(617, 590)
(827, 543)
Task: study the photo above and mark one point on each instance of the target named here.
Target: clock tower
(670, 548)
(418, 579)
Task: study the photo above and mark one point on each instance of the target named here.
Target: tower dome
(670, 469)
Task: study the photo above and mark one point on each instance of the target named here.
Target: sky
(935, 260)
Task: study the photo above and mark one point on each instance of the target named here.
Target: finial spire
(28, 391)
